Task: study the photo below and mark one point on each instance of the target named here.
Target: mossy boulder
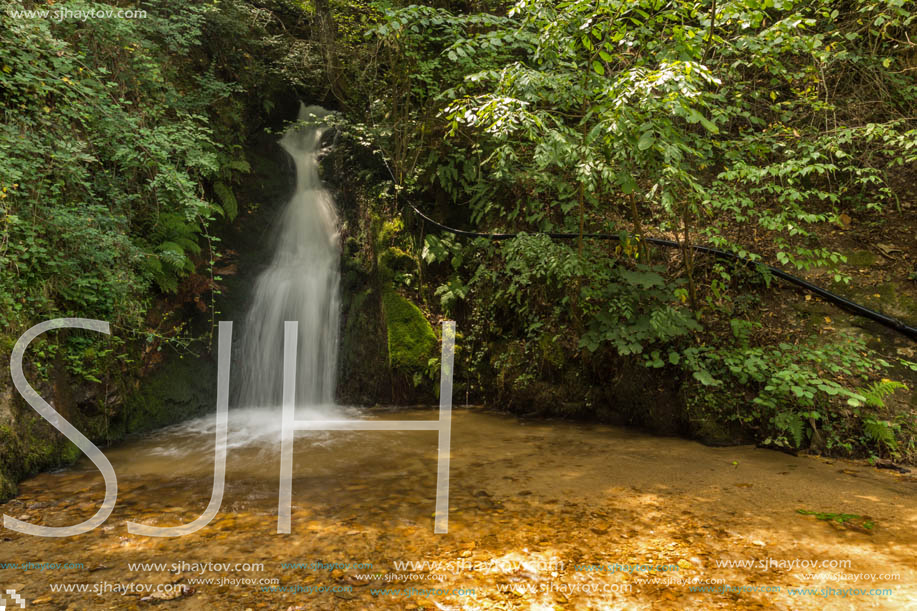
(411, 339)
(28, 445)
(179, 389)
(364, 377)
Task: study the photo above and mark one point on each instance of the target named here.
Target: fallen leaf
(888, 249)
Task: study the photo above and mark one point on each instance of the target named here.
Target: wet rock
(170, 595)
(887, 464)
(345, 595)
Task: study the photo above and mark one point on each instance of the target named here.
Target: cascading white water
(301, 284)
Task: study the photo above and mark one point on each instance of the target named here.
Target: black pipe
(859, 310)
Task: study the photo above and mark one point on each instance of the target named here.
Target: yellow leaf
(828, 319)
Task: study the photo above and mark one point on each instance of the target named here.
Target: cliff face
(177, 389)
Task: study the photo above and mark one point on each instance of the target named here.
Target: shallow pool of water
(543, 515)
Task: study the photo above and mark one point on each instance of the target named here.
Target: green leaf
(709, 125)
(227, 199)
(646, 140)
(703, 376)
(240, 165)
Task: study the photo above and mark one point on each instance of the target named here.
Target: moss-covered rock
(364, 377)
(411, 339)
(28, 444)
(180, 389)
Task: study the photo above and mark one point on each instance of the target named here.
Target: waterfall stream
(300, 284)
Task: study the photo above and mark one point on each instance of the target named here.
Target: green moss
(861, 258)
(179, 389)
(887, 292)
(395, 259)
(551, 350)
(389, 230)
(32, 447)
(8, 472)
(909, 305)
(364, 372)
(8, 487)
(69, 453)
(892, 298)
(411, 340)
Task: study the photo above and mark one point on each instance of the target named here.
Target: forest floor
(543, 515)
(882, 267)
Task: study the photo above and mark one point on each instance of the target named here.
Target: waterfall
(301, 284)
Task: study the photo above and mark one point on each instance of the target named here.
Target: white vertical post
(441, 521)
(290, 333)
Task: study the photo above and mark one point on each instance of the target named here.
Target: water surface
(527, 497)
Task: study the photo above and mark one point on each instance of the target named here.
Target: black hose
(855, 308)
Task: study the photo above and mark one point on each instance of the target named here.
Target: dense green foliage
(105, 157)
(122, 142)
(753, 125)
